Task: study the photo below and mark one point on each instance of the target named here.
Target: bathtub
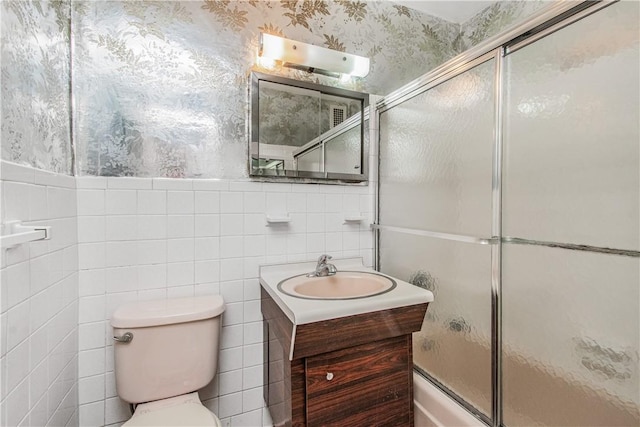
(433, 408)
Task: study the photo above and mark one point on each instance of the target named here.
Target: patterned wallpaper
(288, 118)
(496, 18)
(294, 118)
(160, 87)
(35, 84)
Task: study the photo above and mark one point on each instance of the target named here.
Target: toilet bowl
(164, 351)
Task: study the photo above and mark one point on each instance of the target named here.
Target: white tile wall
(159, 238)
(126, 239)
(39, 301)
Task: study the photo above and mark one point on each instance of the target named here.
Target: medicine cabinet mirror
(307, 130)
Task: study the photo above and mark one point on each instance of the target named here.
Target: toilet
(165, 351)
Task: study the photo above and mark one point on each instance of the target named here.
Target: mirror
(307, 130)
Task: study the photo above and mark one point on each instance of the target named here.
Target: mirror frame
(306, 176)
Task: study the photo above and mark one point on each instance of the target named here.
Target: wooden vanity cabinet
(370, 385)
(350, 371)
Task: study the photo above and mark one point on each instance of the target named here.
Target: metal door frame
(549, 20)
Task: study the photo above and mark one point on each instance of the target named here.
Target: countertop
(301, 311)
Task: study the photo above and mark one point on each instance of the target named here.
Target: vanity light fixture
(345, 78)
(314, 59)
(267, 63)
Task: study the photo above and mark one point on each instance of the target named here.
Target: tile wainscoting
(39, 302)
(142, 239)
(126, 239)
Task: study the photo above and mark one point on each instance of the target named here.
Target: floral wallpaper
(288, 118)
(161, 86)
(296, 117)
(35, 127)
(495, 19)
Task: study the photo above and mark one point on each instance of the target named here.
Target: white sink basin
(342, 285)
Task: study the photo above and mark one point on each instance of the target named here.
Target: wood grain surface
(369, 385)
(345, 332)
(369, 356)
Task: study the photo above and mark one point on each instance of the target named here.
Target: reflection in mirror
(306, 130)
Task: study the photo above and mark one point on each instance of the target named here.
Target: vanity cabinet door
(366, 385)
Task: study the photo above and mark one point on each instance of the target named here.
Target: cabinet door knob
(329, 376)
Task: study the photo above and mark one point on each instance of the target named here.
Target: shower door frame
(549, 20)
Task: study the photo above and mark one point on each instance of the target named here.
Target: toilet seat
(185, 410)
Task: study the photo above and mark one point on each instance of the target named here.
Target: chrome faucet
(323, 269)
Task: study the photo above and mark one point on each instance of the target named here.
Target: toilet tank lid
(167, 311)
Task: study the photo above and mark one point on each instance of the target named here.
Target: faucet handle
(324, 258)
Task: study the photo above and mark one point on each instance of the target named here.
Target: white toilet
(165, 351)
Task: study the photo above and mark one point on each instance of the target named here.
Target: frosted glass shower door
(343, 152)
(435, 198)
(571, 196)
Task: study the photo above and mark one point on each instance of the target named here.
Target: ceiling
(452, 10)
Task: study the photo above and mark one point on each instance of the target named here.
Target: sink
(342, 285)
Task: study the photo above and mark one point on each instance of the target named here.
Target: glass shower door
(571, 197)
(544, 327)
(435, 192)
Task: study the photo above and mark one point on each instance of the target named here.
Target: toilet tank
(174, 349)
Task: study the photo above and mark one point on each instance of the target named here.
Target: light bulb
(267, 63)
(345, 78)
